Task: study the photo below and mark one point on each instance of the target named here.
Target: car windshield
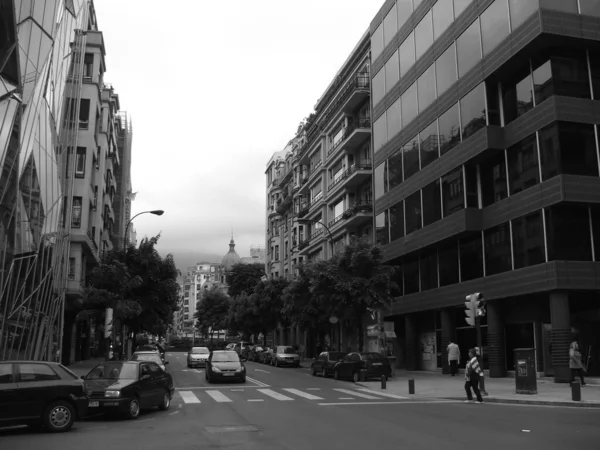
(200, 350)
(225, 357)
(146, 357)
(336, 356)
(147, 348)
(288, 350)
(113, 371)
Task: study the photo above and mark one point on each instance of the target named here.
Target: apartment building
(485, 134)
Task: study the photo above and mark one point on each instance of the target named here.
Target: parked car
(150, 356)
(151, 348)
(266, 355)
(285, 355)
(254, 352)
(224, 365)
(43, 394)
(325, 363)
(374, 364)
(127, 387)
(197, 356)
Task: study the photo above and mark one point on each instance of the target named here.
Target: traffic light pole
(480, 347)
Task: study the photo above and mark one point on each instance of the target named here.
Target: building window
(596, 229)
(460, 6)
(411, 276)
(445, 69)
(542, 83)
(517, 94)
(468, 49)
(88, 69)
(453, 197)
(498, 257)
(428, 270)
(423, 35)
(407, 54)
(523, 169)
(80, 162)
(378, 87)
(449, 129)
(570, 73)
(590, 7)
(432, 203)
(380, 180)
(595, 69)
(76, 214)
(520, 11)
(493, 180)
(568, 229)
(72, 264)
(377, 42)
(397, 221)
(494, 26)
(443, 15)
(409, 105)
(448, 262)
(392, 72)
(84, 113)
(413, 212)
(405, 9)
(390, 26)
(569, 6)
(472, 111)
(379, 133)
(382, 229)
(410, 152)
(395, 170)
(528, 240)
(394, 119)
(429, 144)
(426, 88)
(471, 258)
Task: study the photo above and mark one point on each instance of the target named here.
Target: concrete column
(412, 341)
(448, 334)
(561, 335)
(495, 340)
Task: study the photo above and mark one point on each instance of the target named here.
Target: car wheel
(243, 380)
(166, 402)
(336, 375)
(355, 377)
(133, 409)
(59, 417)
(323, 373)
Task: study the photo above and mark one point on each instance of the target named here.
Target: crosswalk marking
(275, 395)
(345, 398)
(357, 394)
(303, 394)
(189, 397)
(256, 399)
(313, 389)
(382, 394)
(219, 397)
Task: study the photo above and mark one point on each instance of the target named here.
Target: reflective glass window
(397, 221)
(472, 111)
(411, 276)
(493, 180)
(520, 11)
(380, 180)
(498, 256)
(471, 189)
(468, 49)
(410, 152)
(445, 70)
(517, 94)
(426, 88)
(443, 15)
(390, 26)
(449, 129)
(429, 144)
(404, 10)
(416, 4)
(392, 72)
(549, 151)
(377, 42)
(394, 118)
(570, 73)
(379, 133)
(423, 35)
(542, 83)
(412, 212)
(378, 87)
(523, 168)
(407, 54)
(493, 102)
(568, 229)
(448, 263)
(453, 196)
(560, 5)
(528, 240)
(471, 258)
(595, 69)
(409, 105)
(578, 149)
(432, 203)
(395, 170)
(595, 210)
(382, 230)
(460, 6)
(494, 26)
(590, 7)
(428, 270)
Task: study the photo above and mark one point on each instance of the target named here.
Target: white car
(150, 356)
(197, 357)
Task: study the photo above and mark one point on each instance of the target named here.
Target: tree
(242, 317)
(243, 278)
(268, 305)
(212, 312)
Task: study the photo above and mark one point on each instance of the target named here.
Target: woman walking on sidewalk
(473, 374)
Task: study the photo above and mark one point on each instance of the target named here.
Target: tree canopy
(243, 278)
(212, 311)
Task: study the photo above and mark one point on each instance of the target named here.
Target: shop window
(396, 221)
(380, 180)
(423, 35)
(426, 88)
(395, 170)
(471, 258)
(407, 54)
(394, 119)
(453, 197)
(448, 263)
(523, 168)
(472, 111)
(378, 87)
(392, 72)
(429, 144)
(468, 49)
(382, 229)
(445, 70)
(528, 240)
(409, 105)
(377, 42)
(413, 212)
(432, 203)
(428, 270)
(460, 6)
(411, 276)
(493, 180)
(449, 129)
(443, 15)
(410, 152)
(379, 133)
(520, 11)
(498, 257)
(568, 230)
(404, 10)
(390, 26)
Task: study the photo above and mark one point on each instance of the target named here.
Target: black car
(325, 362)
(224, 365)
(373, 364)
(40, 393)
(127, 387)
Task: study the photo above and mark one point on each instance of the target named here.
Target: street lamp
(156, 212)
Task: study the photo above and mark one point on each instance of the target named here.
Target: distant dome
(231, 258)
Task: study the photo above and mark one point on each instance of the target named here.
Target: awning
(390, 334)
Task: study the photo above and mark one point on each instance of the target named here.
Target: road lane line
(173, 413)
(275, 395)
(189, 397)
(236, 390)
(258, 383)
(256, 399)
(260, 370)
(357, 394)
(383, 394)
(303, 394)
(422, 402)
(219, 397)
(313, 389)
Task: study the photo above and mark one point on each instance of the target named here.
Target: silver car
(150, 356)
(285, 355)
(197, 357)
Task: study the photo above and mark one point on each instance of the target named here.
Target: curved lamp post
(324, 226)
(156, 212)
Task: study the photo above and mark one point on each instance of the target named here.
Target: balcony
(355, 92)
(304, 208)
(273, 211)
(354, 135)
(352, 177)
(315, 239)
(359, 214)
(283, 205)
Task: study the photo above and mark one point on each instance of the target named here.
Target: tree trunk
(360, 331)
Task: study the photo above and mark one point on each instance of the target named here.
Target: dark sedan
(225, 365)
(127, 387)
(325, 363)
(373, 364)
(40, 393)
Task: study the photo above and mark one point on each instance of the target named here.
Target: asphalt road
(287, 408)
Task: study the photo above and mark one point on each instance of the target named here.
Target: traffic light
(471, 310)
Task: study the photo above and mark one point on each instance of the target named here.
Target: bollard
(383, 381)
(576, 391)
(411, 386)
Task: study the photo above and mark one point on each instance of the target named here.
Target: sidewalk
(500, 390)
(83, 367)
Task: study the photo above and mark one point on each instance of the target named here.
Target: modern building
(485, 139)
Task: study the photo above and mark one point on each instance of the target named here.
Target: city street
(287, 408)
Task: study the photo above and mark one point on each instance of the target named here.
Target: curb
(511, 401)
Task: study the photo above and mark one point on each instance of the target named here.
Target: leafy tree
(212, 312)
(243, 278)
(268, 305)
(242, 318)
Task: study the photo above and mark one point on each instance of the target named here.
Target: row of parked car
(350, 365)
(281, 355)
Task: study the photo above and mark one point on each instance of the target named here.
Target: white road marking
(357, 394)
(275, 395)
(145, 420)
(260, 370)
(383, 394)
(303, 394)
(258, 383)
(194, 388)
(256, 399)
(219, 397)
(177, 357)
(345, 398)
(169, 354)
(236, 390)
(313, 389)
(424, 402)
(189, 397)
(175, 412)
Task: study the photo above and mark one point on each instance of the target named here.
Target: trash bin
(525, 375)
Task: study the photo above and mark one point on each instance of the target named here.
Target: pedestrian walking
(473, 374)
(453, 357)
(575, 363)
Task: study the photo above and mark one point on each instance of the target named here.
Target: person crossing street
(473, 374)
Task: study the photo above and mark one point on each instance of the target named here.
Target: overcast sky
(214, 88)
